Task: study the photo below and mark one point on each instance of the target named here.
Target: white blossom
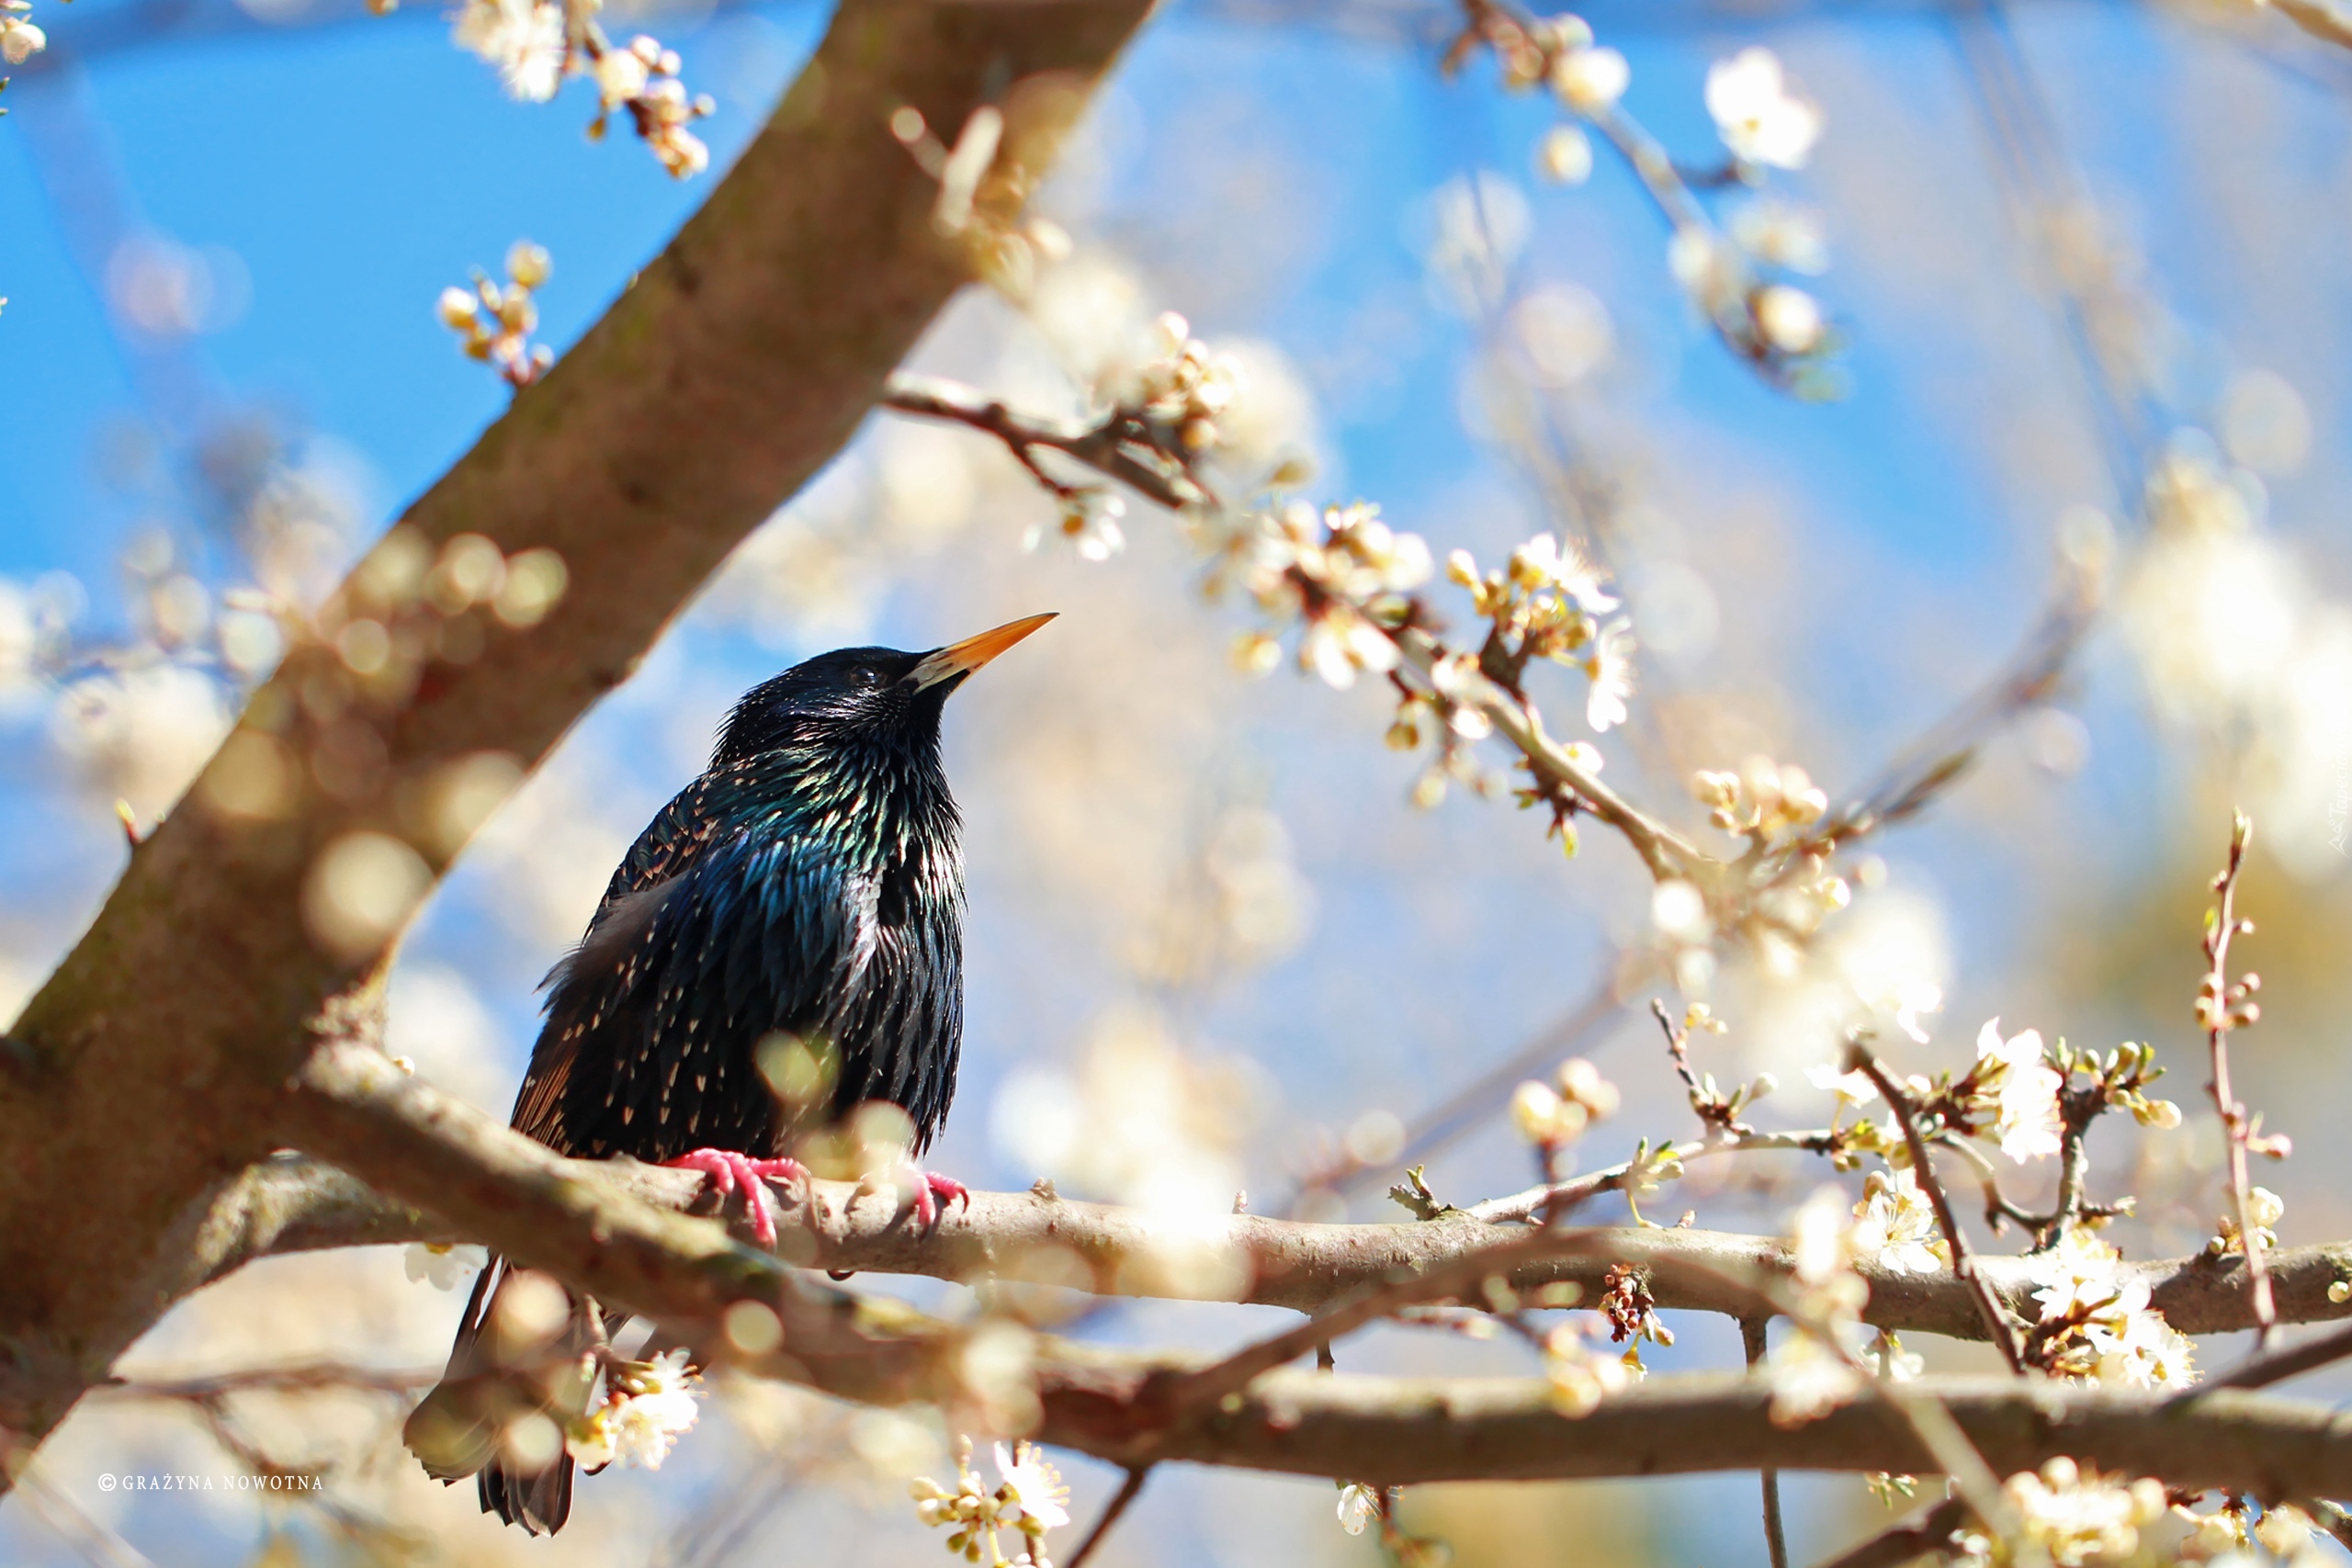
(2027, 1088)
(1896, 1225)
(650, 1404)
(1913, 998)
(1566, 154)
(1544, 562)
(1611, 669)
(444, 1267)
(1590, 81)
(1809, 1379)
(524, 38)
(1033, 1484)
(2119, 1339)
(1757, 114)
(1788, 318)
(621, 75)
(20, 38)
(1341, 642)
(1853, 1089)
(1359, 1506)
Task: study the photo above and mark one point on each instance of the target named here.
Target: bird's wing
(675, 985)
(678, 834)
(670, 844)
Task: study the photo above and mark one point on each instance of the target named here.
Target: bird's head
(880, 694)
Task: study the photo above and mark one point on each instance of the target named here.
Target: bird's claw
(728, 1169)
(926, 1193)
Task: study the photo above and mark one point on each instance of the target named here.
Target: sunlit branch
(295, 1204)
(1116, 444)
(2224, 1005)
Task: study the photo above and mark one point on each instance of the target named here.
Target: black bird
(810, 885)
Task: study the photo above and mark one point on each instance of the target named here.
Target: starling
(808, 887)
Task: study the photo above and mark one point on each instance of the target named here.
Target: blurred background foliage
(1213, 947)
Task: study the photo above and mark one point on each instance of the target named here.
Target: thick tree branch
(732, 368)
(293, 1204)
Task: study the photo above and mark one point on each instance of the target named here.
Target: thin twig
(1128, 1491)
(2261, 1369)
(1998, 1328)
(1120, 444)
(1776, 1541)
(1203, 1389)
(1915, 1536)
(2221, 1008)
(1556, 1196)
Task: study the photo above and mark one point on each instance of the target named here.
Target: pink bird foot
(930, 1191)
(728, 1169)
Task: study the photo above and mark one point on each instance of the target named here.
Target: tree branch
(294, 1203)
(1126, 1407)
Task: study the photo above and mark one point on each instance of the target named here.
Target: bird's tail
(466, 1425)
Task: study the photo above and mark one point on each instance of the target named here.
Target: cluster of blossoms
(2016, 1093)
(1341, 569)
(1029, 1500)
(20, 38)
(1761, 115)
(536, 44)
(643, 79)
(1765, 122)
(2228, 1536)
(2096, 1323)
(1186, 387)
(1761, 800)
(648, 1404)
(2074, 1517)
(2264, 1210)
(1546, 602)
(1774, 805)
(494, 322)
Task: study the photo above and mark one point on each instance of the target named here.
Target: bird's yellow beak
(963, 657)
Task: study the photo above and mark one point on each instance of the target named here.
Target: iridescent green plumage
(808, 887)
